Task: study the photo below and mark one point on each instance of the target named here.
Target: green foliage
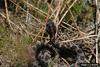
(50, 65)
(77, 7)
(18, 65)
(44, 7)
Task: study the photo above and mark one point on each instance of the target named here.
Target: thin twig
(26, 11)
(96, 22)
(80, 38)
(10, 21)
(68, 65)
(67, 11)
(68, 29)
(27, 15)
(45, 14)
(37, 34)
(70, 25)
(7, 15)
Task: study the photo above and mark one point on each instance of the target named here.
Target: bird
(51, 29)
(44, 53)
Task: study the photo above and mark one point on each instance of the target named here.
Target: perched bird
(51, 29)
(44, 54)
(50, 50)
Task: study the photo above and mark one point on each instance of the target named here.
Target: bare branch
(86, 37)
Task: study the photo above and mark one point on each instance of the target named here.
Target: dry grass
(27, 24)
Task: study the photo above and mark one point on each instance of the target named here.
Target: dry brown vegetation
(22, 24)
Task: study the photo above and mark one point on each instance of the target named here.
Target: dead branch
(96, 22)
(67, 11)
(86, 37)
(7, 15)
